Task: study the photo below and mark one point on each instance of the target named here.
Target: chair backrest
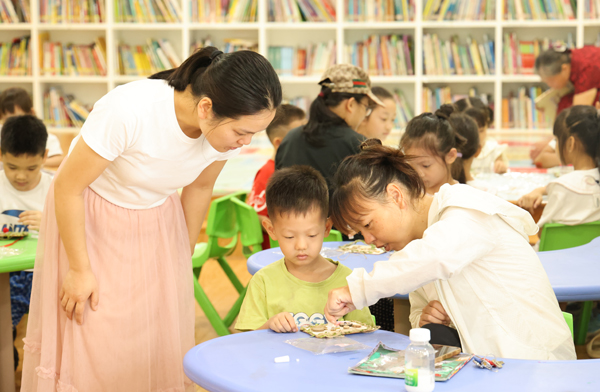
(222, 221)
(557, 236)
(569, 319)
(251, 235)
(334, 236)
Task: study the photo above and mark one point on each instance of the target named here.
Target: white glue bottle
(419, 362)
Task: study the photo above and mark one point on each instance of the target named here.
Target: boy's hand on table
(77, 288)
(532, 200)
(339, 304)
(283, 322)
(33, 219)
(434, 313)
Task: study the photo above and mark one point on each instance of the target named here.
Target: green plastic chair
(222, 224)
(251, 234)
(334, 236)
(569, 319)
(556, 236)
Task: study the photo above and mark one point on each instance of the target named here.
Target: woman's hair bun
(370, 143)
(445, 111)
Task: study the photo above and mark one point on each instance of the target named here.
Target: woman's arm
(195, 199)
(81, 169)
(585, 98)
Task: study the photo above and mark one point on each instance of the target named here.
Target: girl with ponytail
(462, 254)
(573, 198)
(436, 148)
(112, 306)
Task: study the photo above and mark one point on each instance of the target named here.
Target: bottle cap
(420, 335)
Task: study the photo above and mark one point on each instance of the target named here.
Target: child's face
(23, 171)
(231, 134)
(381, 121)
(433, 170)
(300, 236)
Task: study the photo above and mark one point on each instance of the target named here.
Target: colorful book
(451, 57)
(148, 11)
(148, 59)
(308, 60)
(15, 57)
(382, 55)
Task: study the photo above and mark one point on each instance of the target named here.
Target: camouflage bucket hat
(346, 78)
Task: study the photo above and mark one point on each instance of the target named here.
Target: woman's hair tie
(459, 154)
(322, 94)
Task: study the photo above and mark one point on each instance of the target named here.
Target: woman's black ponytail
(240, 83)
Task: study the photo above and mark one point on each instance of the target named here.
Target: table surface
(26, 249)
(575, 272)
(245, 362)
(352, 261)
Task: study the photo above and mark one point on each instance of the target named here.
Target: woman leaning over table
(462, 254)
(116, 233)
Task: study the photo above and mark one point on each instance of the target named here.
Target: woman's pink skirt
(144, 324)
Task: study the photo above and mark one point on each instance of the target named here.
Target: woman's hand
(283, 322)
(500, 166)
(532, 200)
(339, 303)
(434, 313)
(33, 219)
(77, 287)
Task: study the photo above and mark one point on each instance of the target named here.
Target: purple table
(244, 362)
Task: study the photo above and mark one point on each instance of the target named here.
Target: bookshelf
(88, 89)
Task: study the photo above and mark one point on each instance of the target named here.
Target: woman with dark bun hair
(112, 306)
(462, 254)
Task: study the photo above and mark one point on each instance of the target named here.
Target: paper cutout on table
(385, 361)
(356, 247)
(332, 330)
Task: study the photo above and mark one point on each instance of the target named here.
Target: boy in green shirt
(293, 291)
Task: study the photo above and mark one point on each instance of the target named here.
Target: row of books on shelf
(459, 10)
(311, 60)
(15, 57)
(540, 9)
(63, 110)
(72, 11)
(144, 60)
(148, 11)
(229, 45)
(433, 98)
(519, 111)
(450, 57)
(591, 9)
(383, 55)
(15, 11)
(301, 10)
(72, 60)
(379, 10)
(519, 56)
(224, 11)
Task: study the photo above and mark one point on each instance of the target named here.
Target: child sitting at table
(466, 127)
(293, 291)
(15, 101)
(380, 122)
(23, 186)
(286, 118)
(435, 146)
(573, 198)
(492, 157)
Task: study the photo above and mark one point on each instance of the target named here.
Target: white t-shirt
(484, 163)
(135, 127)
(33, 200)
(53, 146)
(573, 199)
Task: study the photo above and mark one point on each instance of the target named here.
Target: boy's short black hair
(23, 135)
(284, 116)
(297, 190)
(15, 96)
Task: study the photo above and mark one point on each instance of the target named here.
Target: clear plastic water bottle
(419, 365)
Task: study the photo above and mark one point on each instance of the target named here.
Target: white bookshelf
(89, 89)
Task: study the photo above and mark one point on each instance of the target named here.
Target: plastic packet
(327, 346)
(8, 252)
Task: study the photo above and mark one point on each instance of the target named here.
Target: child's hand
(500, 166)
(283, 322)
(532, 200)
(33, 219)
(434, 313)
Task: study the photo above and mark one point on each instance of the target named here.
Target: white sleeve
(555, 207)
(53, 146)
(458, 239)
(109, 127)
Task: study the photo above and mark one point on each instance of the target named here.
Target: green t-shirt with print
(273, 290)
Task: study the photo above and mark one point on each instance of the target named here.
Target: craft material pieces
(283, 359)
(361, 247)
(488, 363)
(11, 228)
(384, 361)
(332, 330)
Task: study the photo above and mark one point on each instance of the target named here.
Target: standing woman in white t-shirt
(116, 233)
